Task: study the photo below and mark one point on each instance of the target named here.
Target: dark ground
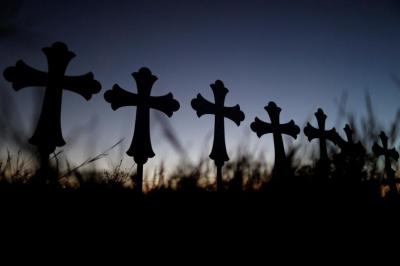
(191, 226)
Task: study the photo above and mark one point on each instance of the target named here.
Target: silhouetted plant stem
(219, 177)
(139, 178)
(43, 174)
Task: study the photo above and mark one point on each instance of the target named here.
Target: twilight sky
(300, 54)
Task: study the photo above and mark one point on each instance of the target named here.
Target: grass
(352, 179)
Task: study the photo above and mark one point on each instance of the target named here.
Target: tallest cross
(48, 133)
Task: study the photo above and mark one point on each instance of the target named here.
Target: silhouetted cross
(349, 147)
(140, 148)
(388, 155)
(322, 134)
(202, 107)
(277, 129)
(349, 163)
(48, 133)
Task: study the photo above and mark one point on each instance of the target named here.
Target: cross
(141, 149)
(203, 107)
(48, 133)
(323, 135)
(277, 129)
(349, 147)
(388, 155)
(350, 161)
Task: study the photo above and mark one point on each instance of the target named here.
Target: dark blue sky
(300, 54)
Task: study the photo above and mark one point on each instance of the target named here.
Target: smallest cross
(277, 129)
(388, 155)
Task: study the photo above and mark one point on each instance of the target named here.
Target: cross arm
(202, 106)
(84, 85)
(260, 127)
(21, 75)
(290, 129)
(331, 135)
(311, 132)
(392, 153)
(340, 141)
(166, 104)
(377, 150)
(234, 113)
(119, 97)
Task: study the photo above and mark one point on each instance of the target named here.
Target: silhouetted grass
(358, 179)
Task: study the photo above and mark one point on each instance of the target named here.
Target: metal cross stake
(140, 148)
(48, 133)
(202, 107)
(388, 155)
(323, 135)
(277, 129)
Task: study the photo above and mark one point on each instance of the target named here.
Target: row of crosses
(48, 133)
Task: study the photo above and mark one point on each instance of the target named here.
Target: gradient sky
(300, 54)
